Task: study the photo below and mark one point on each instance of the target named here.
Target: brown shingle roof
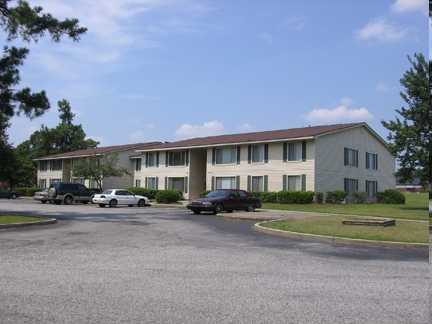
(282, 134)
(98, 151)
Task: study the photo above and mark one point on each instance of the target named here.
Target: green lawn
(403, 231)
(416, 208)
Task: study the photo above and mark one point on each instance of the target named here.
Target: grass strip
(12, 219)
(403, 231)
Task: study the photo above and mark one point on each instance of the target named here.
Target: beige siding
(330, 168)
(274, 169)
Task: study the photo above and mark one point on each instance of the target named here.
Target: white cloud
(346, 101)
(78, 113)
(402, 6)
(137, 136)
(245, 127)
(378, 28)
(102, 140)
(208, 129)
(134, 120)
(338, 114)
(382, 87)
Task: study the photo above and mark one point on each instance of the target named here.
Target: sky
(167, 70)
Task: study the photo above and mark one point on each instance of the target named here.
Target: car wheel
(68, 200)
(101, 205)
(218, 209)
(113, 203)
(43, 201)
(141, 203)
(196, 212)
(14, 196)
(250, 208)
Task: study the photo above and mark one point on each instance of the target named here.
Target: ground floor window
(137, 183)
(78, 180)
(42, 183)
(350, 186)
(55, 180)
(294, 182)
(371, 188)
(257, 183)
(93, 183)
(152, 183)
(176, 183)
(225, 183)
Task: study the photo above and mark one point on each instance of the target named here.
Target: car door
(3, 193)
(243, 200)
(130, 198)
(232, 201)
(120, 197)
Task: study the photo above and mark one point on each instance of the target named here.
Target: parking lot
(167, 265)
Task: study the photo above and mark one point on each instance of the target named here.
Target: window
(227, 155)
(371, 188)
(371, 161)
(294, 183)
(137, 183)
(350, 185)
(43, 166)
(56, 165)
(93, 183)
(138, 165)
(177, 158)
(351, 157)
(78, 180)
(294, 152)
(176, 183)
(225, 183)
(55, 180)
(257, 154)
(42, 183)
(152, 183)
(153, 159)
(257, 183)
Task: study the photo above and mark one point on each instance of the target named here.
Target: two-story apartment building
(57, 168)
(318, 158)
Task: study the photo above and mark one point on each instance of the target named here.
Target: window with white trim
(350, 157)
(257, 183)
(294, 182)
(257, 153)
(137, 183)
(176, 183)
(226, 155)
(43, 166)
(152, 183)
(153, 159)
(371, 161)
(294, 151)
(42, 183)
(176, 158)
(78, 180)
(225, 183)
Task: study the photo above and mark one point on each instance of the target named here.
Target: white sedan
(114, 197)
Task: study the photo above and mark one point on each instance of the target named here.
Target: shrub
(335, 196)
(360, 197)
(146, 192)
(28, 192)
(204, 193)
(319, 197)
(295, 197)
(167, 196)
(390, 196)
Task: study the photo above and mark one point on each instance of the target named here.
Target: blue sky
(168, 70)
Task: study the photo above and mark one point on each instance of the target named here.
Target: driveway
(167, 265)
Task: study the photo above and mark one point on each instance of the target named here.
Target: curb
(340, 240)
(47, 221)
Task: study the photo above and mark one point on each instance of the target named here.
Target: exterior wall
(330, 169)
(197, 172)
(126, 180)
(275, 168)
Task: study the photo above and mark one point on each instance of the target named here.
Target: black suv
(67, 193)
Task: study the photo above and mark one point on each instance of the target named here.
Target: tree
(96, 167)
(410, 138)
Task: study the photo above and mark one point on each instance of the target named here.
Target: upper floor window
(350, 157)
(371, 161)
(153, 159)
(138, 165)
(177, 158)
(294, 151)
(43, 165)
(56, 165)
(227, 155)
(258, 153)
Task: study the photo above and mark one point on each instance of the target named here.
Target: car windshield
(107, 192)
(218, 193)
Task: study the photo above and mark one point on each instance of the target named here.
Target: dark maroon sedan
(227, 200)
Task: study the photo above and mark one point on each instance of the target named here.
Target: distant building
(410, 186)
